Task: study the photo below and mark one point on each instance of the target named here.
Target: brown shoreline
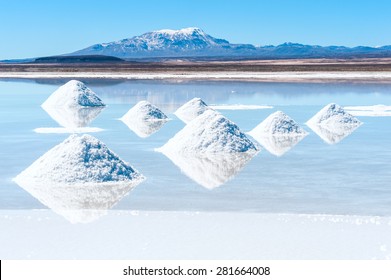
(175, 66)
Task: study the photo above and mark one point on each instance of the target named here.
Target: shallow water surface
(329, 173)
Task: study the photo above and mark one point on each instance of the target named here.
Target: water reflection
(144, 119)
(278, 145)
(79, 203)
(143, 128)
(333, 134)
(73, 117)
(210, 170)
(79, 178)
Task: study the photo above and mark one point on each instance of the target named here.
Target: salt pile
(278, 133)
(73, 94)
(278, 123)
(144, 119)
(192, 109)
(333, 115)
(80, 173)
(210, 149)
(79, 159)
(210, 132)
(333, 123)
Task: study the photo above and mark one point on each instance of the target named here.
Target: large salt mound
(210, 132)
(333, 115)
(73, 94)
(79, 159)
(277, 123)
(192, 109)
(144, 119)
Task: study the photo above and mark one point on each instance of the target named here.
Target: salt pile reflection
(333, 134)
(210, 170)
(79, 203)
(278, 145)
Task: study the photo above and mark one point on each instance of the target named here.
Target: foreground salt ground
(42, 234)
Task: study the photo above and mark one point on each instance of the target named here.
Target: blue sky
(43, 27)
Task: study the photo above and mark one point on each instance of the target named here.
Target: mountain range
(194, 42)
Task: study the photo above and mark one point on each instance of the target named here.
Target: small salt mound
(333, 123)
(192, 109)
(210, 132)
(79, 159)
(73, 94)
(277, 123)
(144, 119)
(333, 115)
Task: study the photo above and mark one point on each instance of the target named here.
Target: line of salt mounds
(144, 119)
(192, 109)
(278, 133)
(79, 178)
(73, 105)
(210, 149)
(333, 123)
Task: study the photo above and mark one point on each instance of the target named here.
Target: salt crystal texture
(333, 123)
(79, 159)
(192, 109)
(278, 123)
(73, 94)
(144, 119)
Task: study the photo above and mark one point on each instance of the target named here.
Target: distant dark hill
(79, 59)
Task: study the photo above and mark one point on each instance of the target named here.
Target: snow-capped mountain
(168, 43)
(194, 42)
